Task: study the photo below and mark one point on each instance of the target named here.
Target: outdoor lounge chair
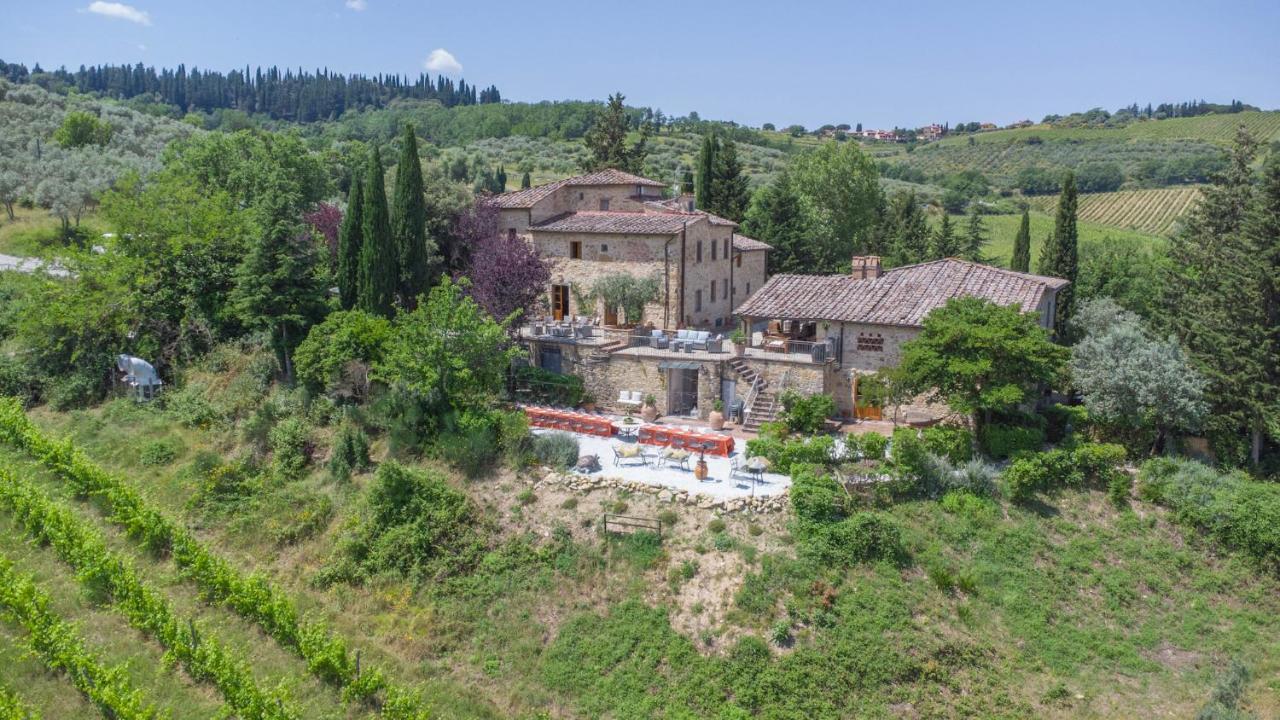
(658, 340)
(675, 456)
(629, 455)
(630, 398)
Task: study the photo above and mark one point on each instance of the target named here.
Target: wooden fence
(626, 524)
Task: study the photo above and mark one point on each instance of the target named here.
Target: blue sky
(812, 63)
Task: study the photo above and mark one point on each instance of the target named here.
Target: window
(739, 259)
(748, 288)
(699, 251)
(580, 196)
(713, 290)
(697, 301)
(604, 247)
(604, 203)
(726, 248)
(870, 342)
(575, 250)
(511, 233)
(713, 249)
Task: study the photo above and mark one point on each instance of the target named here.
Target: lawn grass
(35, 233)
(1068, 609)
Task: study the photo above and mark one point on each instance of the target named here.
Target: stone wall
(699, 275)
(891, 340)
(639, 256)
(749, 274)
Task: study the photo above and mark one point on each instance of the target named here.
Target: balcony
(690, 345)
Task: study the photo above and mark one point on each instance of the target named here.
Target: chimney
(865, 267)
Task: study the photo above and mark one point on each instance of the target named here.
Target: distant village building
(930, 132)
(985, 127)
(882, 135)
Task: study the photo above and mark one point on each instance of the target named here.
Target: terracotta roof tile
(530, 196)
(616, 222)
(744, 243)
(901, 296)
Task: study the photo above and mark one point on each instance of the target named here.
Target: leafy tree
(350, 247)
(606, 141)
(326, 221)
(525, 181)
(448, 352)
(975, 237)
(980, 358)
(1059, 257)
(409, 223)
(279, 285)
(507, 274)
(944, 243)
(905, 230)
(79, 129)
(777, 216)
(378, 257)
(1127, 270)
(621, 292)
(1130, 379)
(1099, 177)
(1021, 260)
(840, 186)
(345, 339)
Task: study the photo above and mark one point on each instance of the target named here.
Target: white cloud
(142, 47)
(357, 5)
(120, 11)
(442, 61)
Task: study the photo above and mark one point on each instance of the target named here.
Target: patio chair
(675, 456)
(658, 340)
(629, 455)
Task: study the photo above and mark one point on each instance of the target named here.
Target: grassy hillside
(1155, 211)
(1064, 609)
(1002, 229)
(1220, 129)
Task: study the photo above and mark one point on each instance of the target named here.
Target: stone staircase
(601, 353)
(764, 408)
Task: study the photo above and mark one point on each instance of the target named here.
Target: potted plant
(716, 417)
(739, 340)
(650, 410)
(588, 402)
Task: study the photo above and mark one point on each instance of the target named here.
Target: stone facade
(749, 273)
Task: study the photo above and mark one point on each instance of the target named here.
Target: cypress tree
(526, 182)
(975, 237)
(704, 178)
(729, 193)
(409, 224)
(379, 269)
(1021, 261)
(944, 244)
(1060, 256)
(906, 232)
(500, 186)
(350, 242)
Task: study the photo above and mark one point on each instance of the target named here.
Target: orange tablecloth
(691, 440)
(569, 420)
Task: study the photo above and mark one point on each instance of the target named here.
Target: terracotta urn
(716, 420)
(700, 469)
(649, 413)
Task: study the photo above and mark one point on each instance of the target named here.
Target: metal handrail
(751, 397)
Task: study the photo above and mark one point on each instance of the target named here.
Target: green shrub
(816, 497)
(668, 518)
(954, 442)
(787, 452)
(290, 448)
(350, 452)
(907, 451)
(966, 504)
(413, 526)
(862, 537)
(1224, 701)
(873, 445)
(716, 525)
(159, 452)
(557, 450)
(1236, 510)
(1099, 463)
(1006, 441)
(345, 340)
(1044, 471)
(189, 406)
(806, 415)
(471, 446)
(1063, 420)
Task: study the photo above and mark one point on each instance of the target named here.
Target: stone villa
(811, 333)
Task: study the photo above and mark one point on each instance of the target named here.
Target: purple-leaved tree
(325, 220)
(507, 273)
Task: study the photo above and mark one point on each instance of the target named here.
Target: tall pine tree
(777, 217)
(606, 140)
(1021, 260)
(379, 266)
(729, 194)
(975, 237)
(906, 230)
(350, 241)
(944, 242)
(279, 285)
(409, 224)
(1060, 257)
(1221, 299)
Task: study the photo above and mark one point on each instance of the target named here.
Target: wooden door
(611, 316)
(559, 301)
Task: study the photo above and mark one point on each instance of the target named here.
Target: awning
(679, 365)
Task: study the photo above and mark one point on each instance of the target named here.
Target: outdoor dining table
(569, 420)
(690, 440)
